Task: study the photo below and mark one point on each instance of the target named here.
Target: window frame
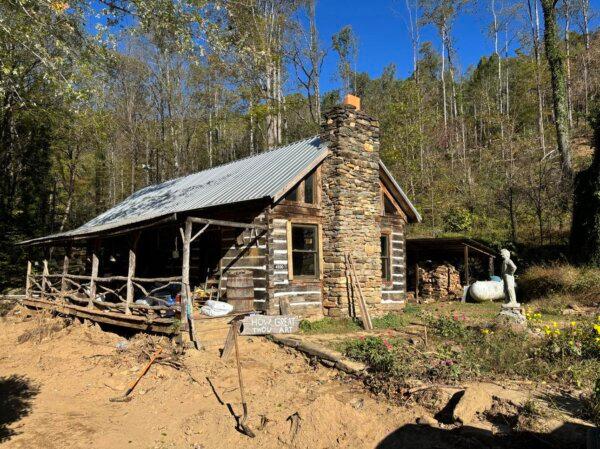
(318, 251)
(386, 279)
(300, 190)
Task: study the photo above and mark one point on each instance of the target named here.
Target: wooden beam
(230, 224)
(187, 316)
(63, 279)
(28, 280)
(45, 273)
(162, 325)
(199, 233)
(95, 264)
(491, 266)
(130, 275)
(416, 281)
(467, 274)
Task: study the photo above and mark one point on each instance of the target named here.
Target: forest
(99, 99)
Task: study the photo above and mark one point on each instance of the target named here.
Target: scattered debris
(126, 397)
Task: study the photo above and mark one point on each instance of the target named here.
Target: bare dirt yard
(57, 376)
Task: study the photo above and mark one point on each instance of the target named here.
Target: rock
(474, 400)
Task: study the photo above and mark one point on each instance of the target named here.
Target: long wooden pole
(187, 316)
(130, 276)
(467, 274)
(63, 279)
(28, 280)
(361, 299)
(44, 279)
(95, 264)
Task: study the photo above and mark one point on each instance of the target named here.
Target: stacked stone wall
(351, 207)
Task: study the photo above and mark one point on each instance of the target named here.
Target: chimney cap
(352, 100)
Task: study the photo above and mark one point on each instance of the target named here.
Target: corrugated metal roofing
(268, 175)
(264, 175)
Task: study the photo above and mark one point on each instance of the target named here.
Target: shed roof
(428, 246)
(269, 175)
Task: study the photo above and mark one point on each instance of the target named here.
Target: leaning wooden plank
(368, 325)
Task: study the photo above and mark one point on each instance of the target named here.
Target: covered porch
(148, 276)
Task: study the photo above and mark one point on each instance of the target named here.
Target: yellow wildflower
(554, 323)
(573, 323)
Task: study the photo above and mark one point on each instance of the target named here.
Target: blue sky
(383, 36)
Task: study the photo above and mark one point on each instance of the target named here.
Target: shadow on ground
(415, 436)
(16, 393)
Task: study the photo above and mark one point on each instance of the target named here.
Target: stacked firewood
(439, 282)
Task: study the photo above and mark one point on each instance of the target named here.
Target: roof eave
(410, 210)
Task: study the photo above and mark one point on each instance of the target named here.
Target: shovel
(242, 426)
(144, 370)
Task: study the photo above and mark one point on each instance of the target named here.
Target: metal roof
(269, 175)
(260, 176)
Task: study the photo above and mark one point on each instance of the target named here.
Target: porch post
(416, 281)
(95, 263)
(187, 318)
(63, 281)
(491, 265)
(467, 274)
(44, 280)
(28, 280)
(130, 275)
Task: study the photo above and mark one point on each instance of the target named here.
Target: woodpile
(439, 282)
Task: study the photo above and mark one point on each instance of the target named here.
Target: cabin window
(309, 189)
(293, 195)
(386, 266)
(305, 261)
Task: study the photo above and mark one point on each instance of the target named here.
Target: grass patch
(395, 321)
(330, 326)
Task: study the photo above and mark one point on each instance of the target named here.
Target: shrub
(376, 352)
(568, 283)
(448, 327)
(578, 340)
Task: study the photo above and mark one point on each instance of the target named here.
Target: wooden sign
(269, 324)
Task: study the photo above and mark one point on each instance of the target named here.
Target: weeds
(389, 321)
(377, 352)
(330, 326)
(557, 285)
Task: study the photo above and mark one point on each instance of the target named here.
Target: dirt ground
(56, 382)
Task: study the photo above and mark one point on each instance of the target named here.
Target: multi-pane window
(386, 272)
(306, 191)
(305, 261)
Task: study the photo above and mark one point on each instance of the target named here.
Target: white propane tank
(481, 291)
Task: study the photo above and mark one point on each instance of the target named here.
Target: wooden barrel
(240, 290)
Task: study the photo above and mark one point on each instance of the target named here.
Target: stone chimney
(351, 205)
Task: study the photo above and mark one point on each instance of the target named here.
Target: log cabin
(283, 223)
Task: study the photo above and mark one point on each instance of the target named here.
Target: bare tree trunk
(315, 58)
(585, 12)
(557, 73)
(535, 35)
(567, 4)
